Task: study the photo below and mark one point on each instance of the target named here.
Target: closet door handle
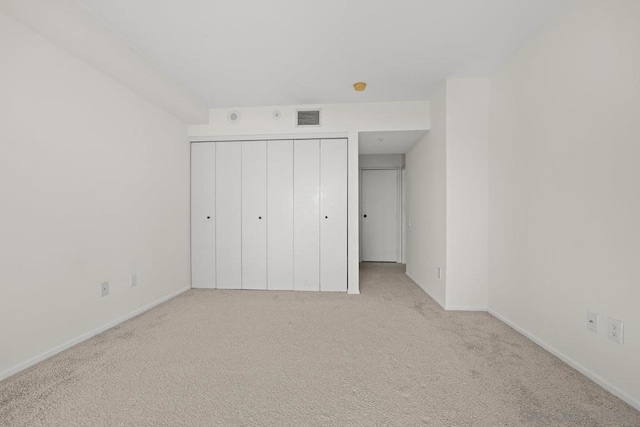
(365, 215)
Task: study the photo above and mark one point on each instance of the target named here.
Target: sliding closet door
(280, 215)
(333, 215)
(229, 215)
(254, 218)
(203, 214)
(306, 185)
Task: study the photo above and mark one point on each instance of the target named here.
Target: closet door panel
(306, 185)
(333, 215)
(229, 215)
(280, 215)
(254, 215)
(203, 209)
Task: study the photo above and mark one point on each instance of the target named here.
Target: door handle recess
(365, 216)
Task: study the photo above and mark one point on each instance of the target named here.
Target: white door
(254, 215)
(203, 214)
(333, 215)
(379, 215)
(280, 215)
(306, 215)
(229, 215)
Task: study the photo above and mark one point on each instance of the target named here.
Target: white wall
(565, 189)
(447, 182)
(337, 120)
(375, 116)
(426, 204)
(381, 161)
(467, 193)
(84, 36)
(95, 184)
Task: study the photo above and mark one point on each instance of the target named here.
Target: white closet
(228, 239)
(306, 215)
(269, 215)
(280, 214)
(203, 216)
(333, 215)
(254, 215)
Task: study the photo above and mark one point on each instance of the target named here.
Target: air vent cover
(308, 118)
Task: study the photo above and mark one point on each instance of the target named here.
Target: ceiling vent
(308, 118)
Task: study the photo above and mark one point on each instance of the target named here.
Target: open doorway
(383, 200)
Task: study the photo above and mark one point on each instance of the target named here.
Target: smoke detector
(233, 116)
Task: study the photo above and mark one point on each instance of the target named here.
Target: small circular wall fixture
(359, 86)
(233, 116)
(276, 114)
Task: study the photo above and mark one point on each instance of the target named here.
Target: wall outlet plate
(616, 330)
(133, 280)
(105, 288)
(592, 321)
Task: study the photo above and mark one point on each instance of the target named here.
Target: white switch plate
(592, 321)
(105, 288)
(616, 330)
(133, 280)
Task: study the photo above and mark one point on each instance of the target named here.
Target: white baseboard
(424, 288)
(355, 292)
(575, 365)
(465, 308)
(47, 354)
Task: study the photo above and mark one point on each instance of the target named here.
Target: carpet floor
(390, 356)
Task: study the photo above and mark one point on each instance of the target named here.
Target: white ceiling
(393, 142)
(280, 52)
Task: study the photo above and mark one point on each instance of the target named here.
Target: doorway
(380, 219)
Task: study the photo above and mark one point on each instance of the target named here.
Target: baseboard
(355, 292)
(465, 308)
(575, 365)
(47, 354)
(424, 288)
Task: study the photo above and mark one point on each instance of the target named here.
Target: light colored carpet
(389, 356)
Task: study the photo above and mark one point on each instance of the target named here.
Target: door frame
(398, 207)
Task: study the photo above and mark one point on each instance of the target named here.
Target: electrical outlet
(592, 321)
(616, 330)
(133, 280)
(438, 273)
(105, 288)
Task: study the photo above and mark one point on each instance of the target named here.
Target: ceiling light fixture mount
(359, 86)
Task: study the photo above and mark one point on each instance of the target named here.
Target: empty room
(319, 213)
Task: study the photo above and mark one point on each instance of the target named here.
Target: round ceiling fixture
(359, 86)
(233, 116)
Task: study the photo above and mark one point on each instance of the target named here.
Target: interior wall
(467, 163)
(336, 120)
(426, 204)
(70, 26)
(564, 186)
(381, 161)
(95, 185)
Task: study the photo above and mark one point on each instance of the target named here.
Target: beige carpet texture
(390, 356)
